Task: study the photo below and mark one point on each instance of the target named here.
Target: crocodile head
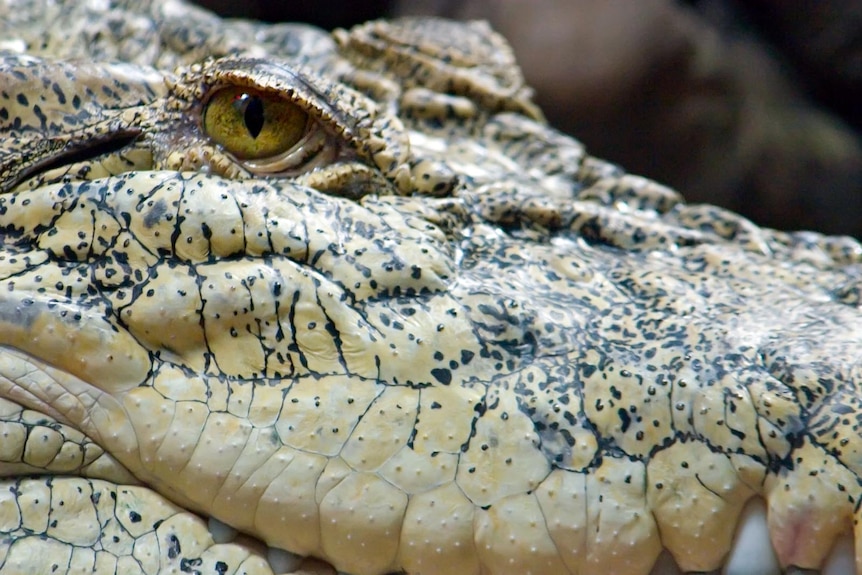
(349, 297)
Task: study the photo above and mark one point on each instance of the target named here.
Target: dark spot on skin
(624, 419)
(155, 214)
(188, 565)
(61, 97)
(444, 376)
(174, 548)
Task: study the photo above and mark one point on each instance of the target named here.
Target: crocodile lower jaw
(43, 447)
(204, 546)
(751, 554)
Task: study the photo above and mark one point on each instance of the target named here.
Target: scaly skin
(450, 342)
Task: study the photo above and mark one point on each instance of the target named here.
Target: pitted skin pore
(446, 341)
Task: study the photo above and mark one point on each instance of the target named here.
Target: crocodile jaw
(163, 534)
(154, 399)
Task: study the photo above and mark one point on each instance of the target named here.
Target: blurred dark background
(755, 105)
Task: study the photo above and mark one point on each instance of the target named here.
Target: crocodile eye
(254, 125)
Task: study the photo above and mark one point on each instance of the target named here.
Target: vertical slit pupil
(253, 115)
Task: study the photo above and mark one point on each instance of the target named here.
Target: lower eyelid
(311, 148)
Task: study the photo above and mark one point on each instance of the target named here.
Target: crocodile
(278, 300)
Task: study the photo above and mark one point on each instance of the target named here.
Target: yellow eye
(253, 125)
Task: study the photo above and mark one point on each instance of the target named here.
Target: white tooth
(221, 532)
(665, 565)
(752, 550)
(282, 561)
(841, 560)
